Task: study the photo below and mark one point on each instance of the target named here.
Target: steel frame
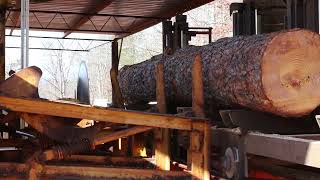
(88, 48)
(85, 15)
(299, 149)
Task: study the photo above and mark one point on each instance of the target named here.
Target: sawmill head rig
(239, 108)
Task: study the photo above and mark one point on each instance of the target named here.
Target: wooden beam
(160, 89)
(117, 99)
(110, 160)
(104, 138)
(197, 87)
(162, 136)
(86, 172)
(94, 7)
(113, 115)
(15, 16)
(199, 150)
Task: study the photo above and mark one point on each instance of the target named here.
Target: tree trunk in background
(277, 73)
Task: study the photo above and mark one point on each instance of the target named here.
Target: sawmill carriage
(239, 108)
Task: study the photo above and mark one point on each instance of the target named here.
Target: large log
(277, 73)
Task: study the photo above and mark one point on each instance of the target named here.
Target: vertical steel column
(167, 36)
(24, 33)
(249, 19)
(24, 39)
(303, 14)
(311, 15)
(3, 7)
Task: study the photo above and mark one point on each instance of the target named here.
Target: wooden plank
(100, 114)
(94, 172)
(102, 138)
(290, 149)
(162, 136)
(112, 172)
(109, 159)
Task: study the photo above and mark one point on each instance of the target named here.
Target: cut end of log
(291, 72)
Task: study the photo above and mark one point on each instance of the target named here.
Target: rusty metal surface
(58, 129)
(22, 84)
(118, 17)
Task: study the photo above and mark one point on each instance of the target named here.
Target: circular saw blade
(83, 94)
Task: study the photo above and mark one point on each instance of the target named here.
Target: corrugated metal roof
(120, 17)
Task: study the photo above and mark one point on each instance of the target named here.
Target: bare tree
(59, 75)
(99, 64)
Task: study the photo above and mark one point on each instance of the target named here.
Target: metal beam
(60, 38)
(97, 6)
(76, 30)
(24, 28)
(285, 148)
(94, 14)
(51, 49)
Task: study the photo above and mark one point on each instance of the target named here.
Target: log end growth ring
(291, 72)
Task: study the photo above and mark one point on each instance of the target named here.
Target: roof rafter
(15, 16)
(95, 7)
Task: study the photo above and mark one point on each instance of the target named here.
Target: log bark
(277, 73)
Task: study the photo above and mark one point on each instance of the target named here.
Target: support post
(117, 99)
(200, 134)
(162, 136)
(167, 37)
(200, 150)
(243, 19)
(197, 87)
(3, 7)
(295, 14)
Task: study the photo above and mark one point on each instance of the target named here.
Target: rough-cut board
(37, 106)
(277, 73)
(87, 172)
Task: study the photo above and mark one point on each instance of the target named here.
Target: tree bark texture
(277, 73)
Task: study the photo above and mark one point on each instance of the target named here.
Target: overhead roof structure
(118, 17)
